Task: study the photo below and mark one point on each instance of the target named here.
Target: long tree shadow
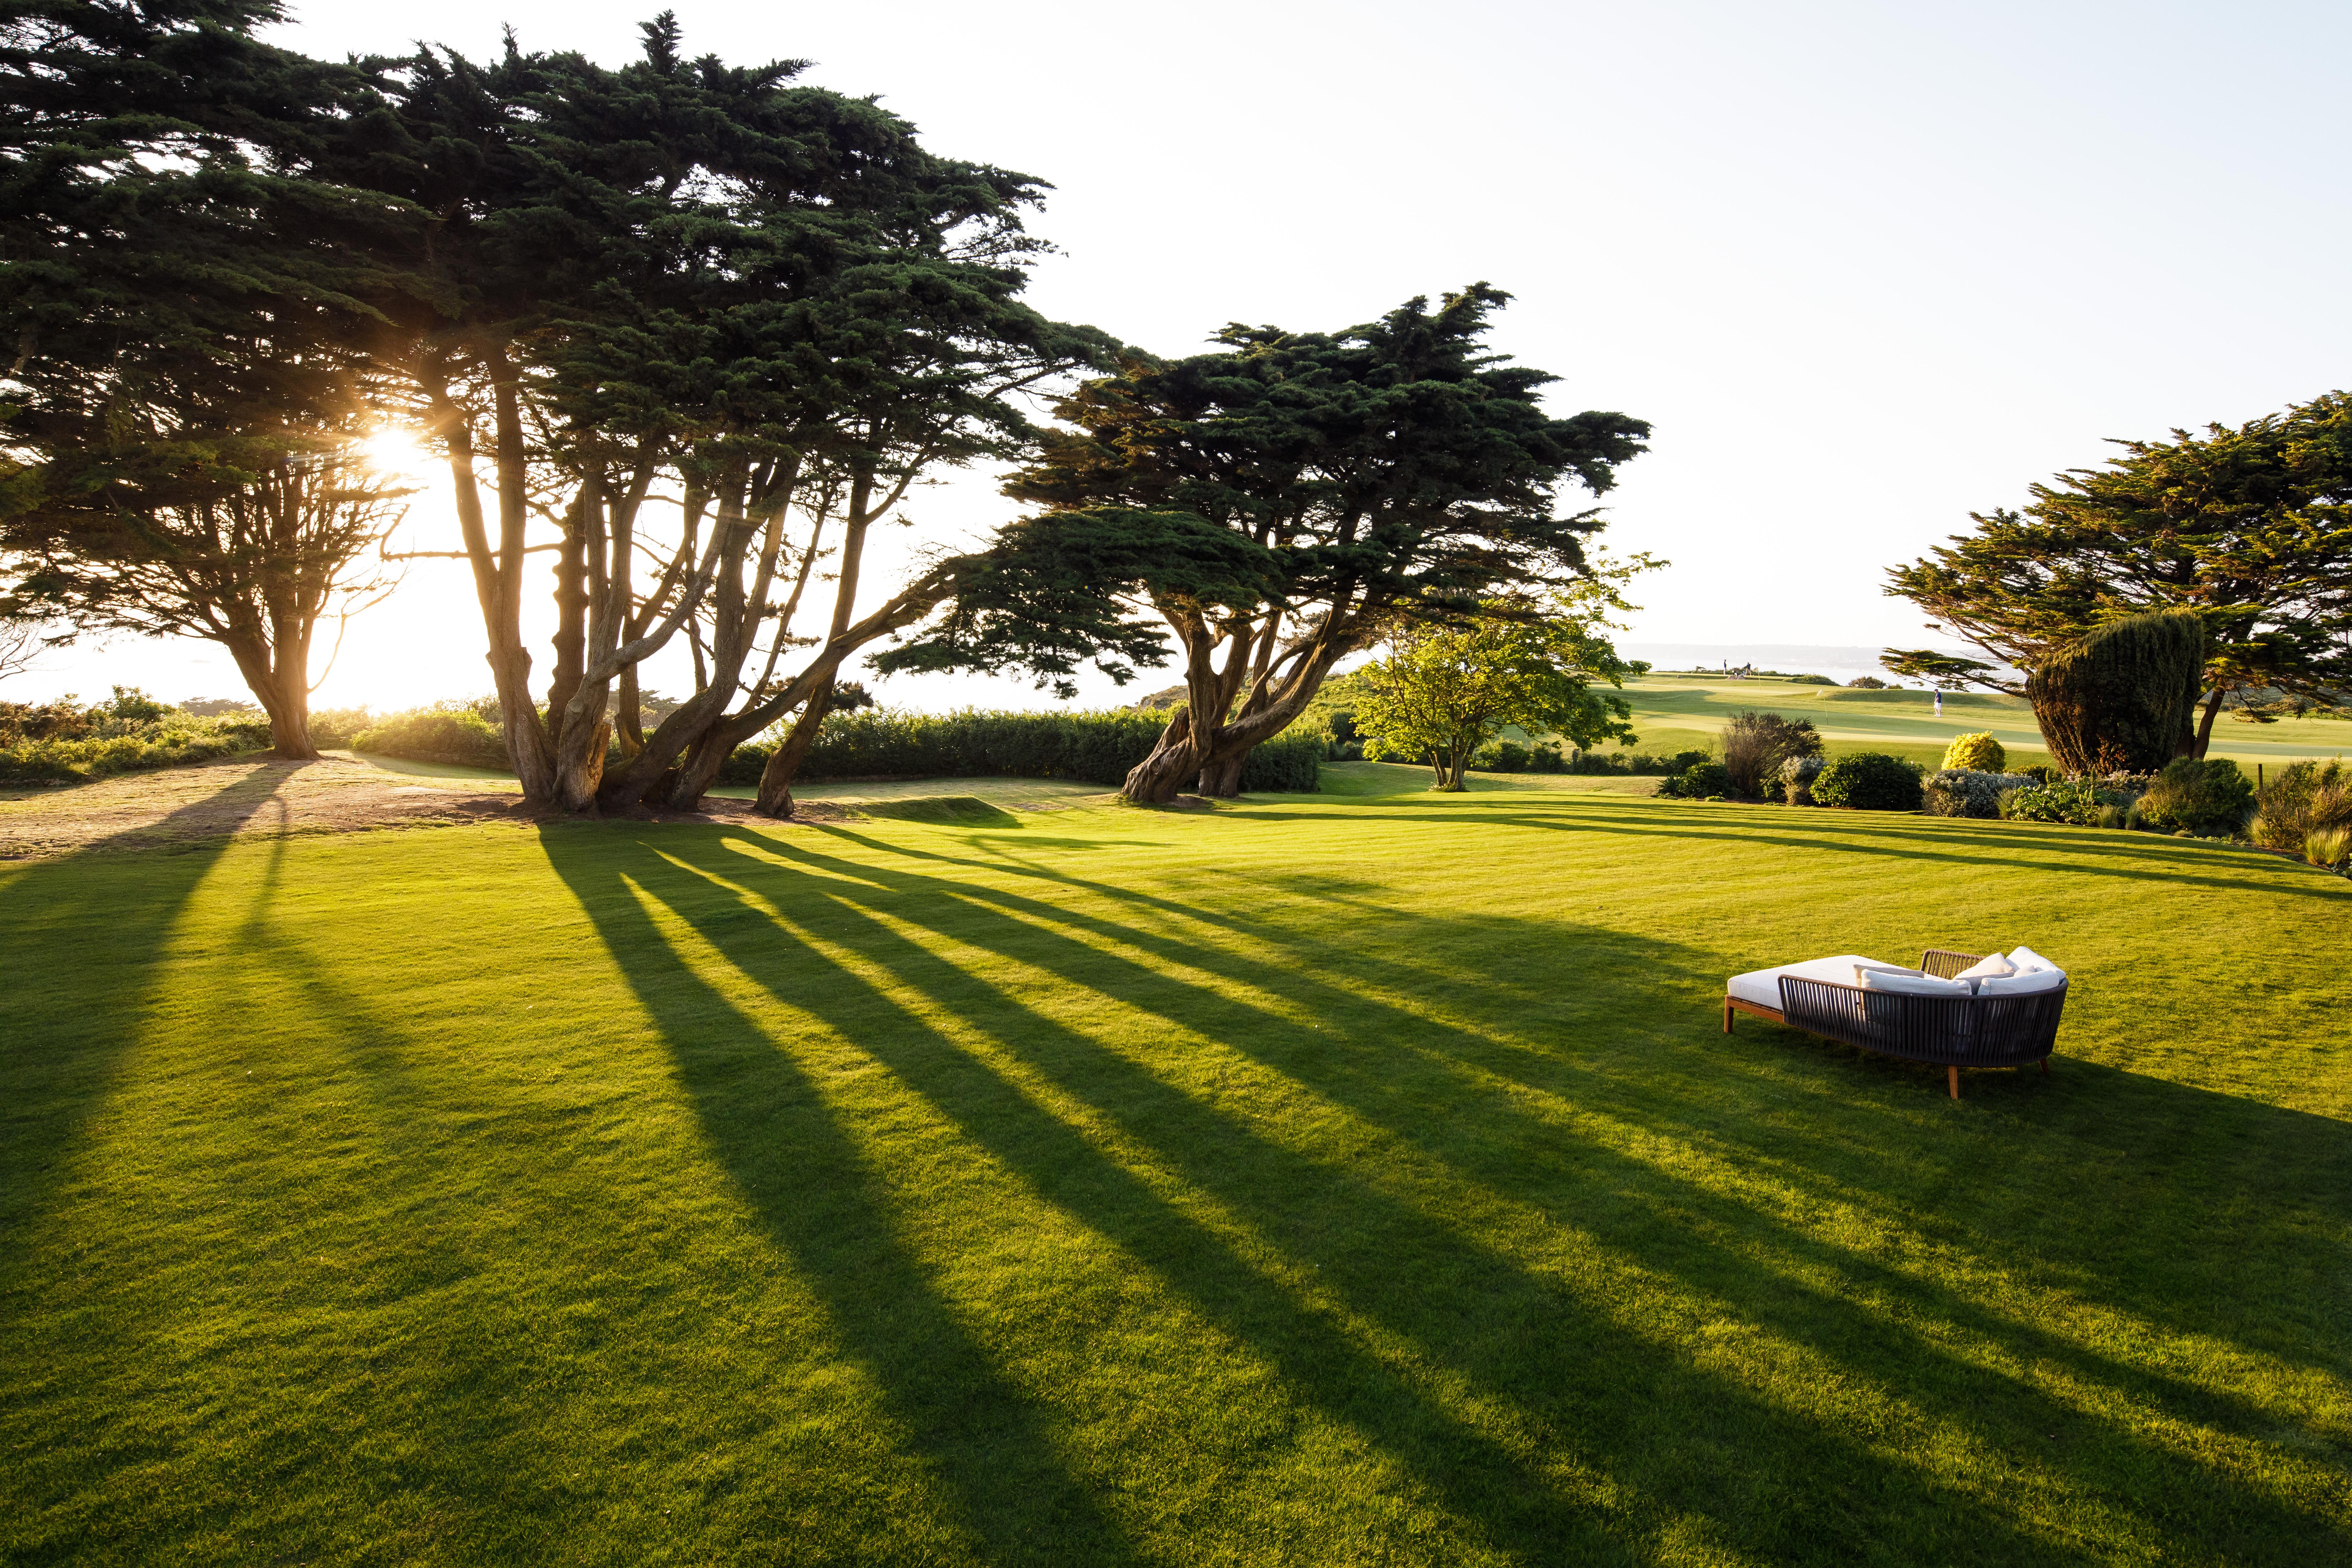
(1528, 1163)
(1623, 1402)
(992, 1445)
(62, 1042)
(2097, 1123)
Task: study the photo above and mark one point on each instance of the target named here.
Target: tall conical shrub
(2124, 697)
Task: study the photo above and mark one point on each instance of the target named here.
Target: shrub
(2122, 696)
(1501, 757)
(1966, 791)
(437, 735)
(2302, 799)
(164, 747)
(1546, 759)
(2329, 848)
(2077, 801)
(1756, 744)
(1698, 782)
(1868, 781)
(1865, 683)
(2204, 796)
(1811, 681)
(1797, 775)
(1979, 752)
(1098, 747)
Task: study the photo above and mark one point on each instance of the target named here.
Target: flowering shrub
(1797, 775)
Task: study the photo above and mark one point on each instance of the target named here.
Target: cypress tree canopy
(1281, 503)
(2249, 527)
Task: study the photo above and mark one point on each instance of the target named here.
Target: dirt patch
(264, 796)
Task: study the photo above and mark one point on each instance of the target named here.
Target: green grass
(1677, 712)
(1358, 1179)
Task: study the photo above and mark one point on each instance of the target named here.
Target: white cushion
(2028, 961)
(1993, 968)
(1913, 984)
(2023, 984)
(1762, 986)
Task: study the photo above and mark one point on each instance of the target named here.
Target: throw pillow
(1911, 984)
(2028, 961)
(2023, 984)
(1993, 968)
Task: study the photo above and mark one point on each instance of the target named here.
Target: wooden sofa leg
(1955, 1080)
(1727, 1014)
(2045, 1066)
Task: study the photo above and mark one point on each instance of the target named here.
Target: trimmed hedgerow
(1868, 781)
(1098, 747)
(437, 735)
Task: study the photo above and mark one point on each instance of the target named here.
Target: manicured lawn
(1673, 712)
(1333, 1179)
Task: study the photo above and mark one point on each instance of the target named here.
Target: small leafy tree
(1447, 689)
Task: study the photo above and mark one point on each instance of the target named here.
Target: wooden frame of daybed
(1950, 1032)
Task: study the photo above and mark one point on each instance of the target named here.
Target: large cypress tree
(179, 291)
(689, 268)
(2250, 528)
(1277, 505)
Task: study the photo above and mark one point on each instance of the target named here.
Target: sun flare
(393, 450)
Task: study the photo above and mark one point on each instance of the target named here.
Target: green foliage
(1866, 683)
(1446, 689)
(1546, 759)
(1502, 757)
(1809, 681)
(2124, 697)
(2204, 796)
(1946, 672)
(448, 734)
(1977, 753)
(1868, 781)
(1699, 780)
(2077, 801)
(1100, 748)
(60, 742)
(2299, 800)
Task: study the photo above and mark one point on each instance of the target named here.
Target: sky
(1864, 268)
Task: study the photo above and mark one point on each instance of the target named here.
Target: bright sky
(1866, 267)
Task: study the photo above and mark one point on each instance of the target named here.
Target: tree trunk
(784, 762)
(1157, 780)
(1223, 779)
(2195, 746)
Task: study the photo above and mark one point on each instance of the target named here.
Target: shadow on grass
(85, 1032)
(1593, 1362)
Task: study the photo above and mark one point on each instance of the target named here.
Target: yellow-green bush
(1980, 753)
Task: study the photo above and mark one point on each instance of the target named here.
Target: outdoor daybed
(2003, 1023)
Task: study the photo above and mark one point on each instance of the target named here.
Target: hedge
(437, 735)
(1100, 748)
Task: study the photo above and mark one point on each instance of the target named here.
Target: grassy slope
(1673, 712)
(1360, 1179)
